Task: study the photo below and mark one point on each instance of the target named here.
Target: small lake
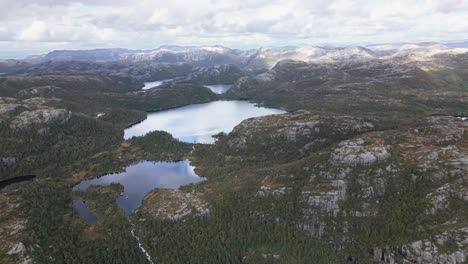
(219, 88)
(138, 180)
(149, 85)
(85, 214)
(463, 118)
(197, 123)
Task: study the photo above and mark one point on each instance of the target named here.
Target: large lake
(197, 123)
(138, 180)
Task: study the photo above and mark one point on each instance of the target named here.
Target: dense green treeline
(168, 97)
(57, 235)
(99, 116)
(79, 138)
(160, 145)
(233, 233)
(89, 144)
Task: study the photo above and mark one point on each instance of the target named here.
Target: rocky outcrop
(39, 100)
(294, 133)
(360, 151)
(174, 204)
(327, 200)
(17, 249)
(8, 108)
(438, 142)
(353, 186)
(450, 247)
(43, 117)
(7, 100)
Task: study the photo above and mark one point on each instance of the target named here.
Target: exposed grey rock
(266, 190)
(328, 200)
(17, 226)
(174, 204)
(8, 108)
(7, 100)
(429, 251)
(440, 198)
(299, 127)
(357, 152)
(28, 261)
(41, 117)
(17, 249)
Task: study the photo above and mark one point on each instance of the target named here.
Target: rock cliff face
(360, 151)
(293, 134)
(410, 179)
(353, 194)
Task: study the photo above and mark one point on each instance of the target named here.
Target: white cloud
(248, 23)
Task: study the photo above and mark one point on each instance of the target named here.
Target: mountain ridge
(209, 55)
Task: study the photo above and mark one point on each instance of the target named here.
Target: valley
(303, 155)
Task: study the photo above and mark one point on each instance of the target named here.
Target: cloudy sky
(35, 26)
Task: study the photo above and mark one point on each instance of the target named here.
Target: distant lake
(149, 85)
(219, 88)
(197, 123)
(138, 180)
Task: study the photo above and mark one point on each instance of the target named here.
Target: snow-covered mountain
(209, 56)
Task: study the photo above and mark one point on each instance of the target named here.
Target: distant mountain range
(463, 44)
(208, 56)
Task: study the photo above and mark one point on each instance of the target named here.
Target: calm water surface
(140, 179)
(199, 122)
(149, 85)
(219, 88)
(80, 206)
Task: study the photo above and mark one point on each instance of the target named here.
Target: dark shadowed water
(219, 88)
(139, 179)
(199, 122)
(10, 181)
(80, 206)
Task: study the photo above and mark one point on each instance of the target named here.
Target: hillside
(368, 165)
